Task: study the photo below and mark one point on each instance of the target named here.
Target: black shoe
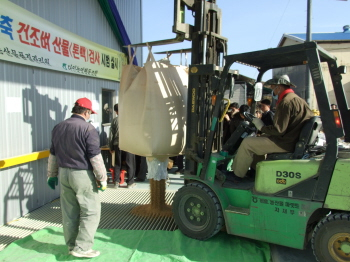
(230, 176)
(251, 175)
(139, 180)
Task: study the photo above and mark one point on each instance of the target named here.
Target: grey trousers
(249, 149)
(81, 207)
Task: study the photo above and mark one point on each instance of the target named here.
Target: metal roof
(319, 37)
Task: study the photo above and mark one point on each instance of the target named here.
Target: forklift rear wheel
(197, 211)
(331, 238)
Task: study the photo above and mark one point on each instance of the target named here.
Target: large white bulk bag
(152, 108)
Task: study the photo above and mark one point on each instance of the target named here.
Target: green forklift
(297, 196)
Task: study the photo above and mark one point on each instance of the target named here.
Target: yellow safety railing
(13, 161)
(17, 160)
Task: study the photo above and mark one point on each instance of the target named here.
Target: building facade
(34, 98)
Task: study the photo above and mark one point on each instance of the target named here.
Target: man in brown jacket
(291, 114)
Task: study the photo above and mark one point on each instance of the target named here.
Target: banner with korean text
(26, 38)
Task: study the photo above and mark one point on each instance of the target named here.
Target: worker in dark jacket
(75, 156)
(238, 118)
(114, 148)
(281, 136)
(267, 114)
(231, 112)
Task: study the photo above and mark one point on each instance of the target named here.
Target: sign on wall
(28, 39)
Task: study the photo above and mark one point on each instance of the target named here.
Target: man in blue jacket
(75, 156)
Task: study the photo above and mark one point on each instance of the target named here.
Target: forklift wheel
(197, 211)
(331, 238)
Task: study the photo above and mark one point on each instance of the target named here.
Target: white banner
(28, 39)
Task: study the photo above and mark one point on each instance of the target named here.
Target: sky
(249, 25)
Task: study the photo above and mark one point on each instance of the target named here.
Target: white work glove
(98, 167)
(102, 186)
(258, 123)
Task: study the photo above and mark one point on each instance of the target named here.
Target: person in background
(129, 158)
(267, 115)
(291, 114)
(334, 106)
(141, 168)
(258, 114)
(179, 162)
(238, 118)
(232, 110)
(75, 157)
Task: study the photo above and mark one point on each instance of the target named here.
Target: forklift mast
(208, 51)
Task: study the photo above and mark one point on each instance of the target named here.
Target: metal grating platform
(116, 207)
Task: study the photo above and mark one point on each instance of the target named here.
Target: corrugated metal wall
(46, 97)
(132, 22)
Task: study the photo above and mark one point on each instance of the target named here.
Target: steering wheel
(249, 116)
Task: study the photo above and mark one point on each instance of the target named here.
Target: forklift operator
(291, 113)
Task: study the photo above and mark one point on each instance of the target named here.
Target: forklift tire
(331, 238)
(197, 211)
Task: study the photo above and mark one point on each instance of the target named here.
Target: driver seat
(307, 140)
